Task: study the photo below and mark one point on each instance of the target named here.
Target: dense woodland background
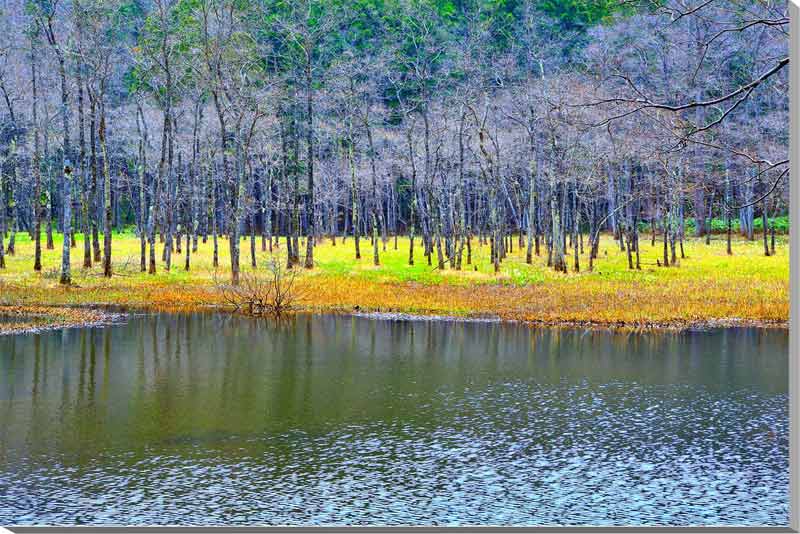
(531, 123)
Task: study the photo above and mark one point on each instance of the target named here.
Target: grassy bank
(708, 286)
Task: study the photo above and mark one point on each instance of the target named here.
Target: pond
(214, 419)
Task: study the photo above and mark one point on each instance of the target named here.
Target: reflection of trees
(308, 393)
(9, 348)
(284, 347)
(92, 362)
(141, 366)
(190, 366)
(66, 369)
(106, 362)
(82, 368)
(36, 359)
(354, 371)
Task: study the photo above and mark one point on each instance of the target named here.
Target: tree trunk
(155, 193)
(531, 215)
(106, 192)
(354, 189)
(312, 229)
(557, 237)
(710, 214)
(2, 216)
(212, 207)
(413, 207)
(728, 217)
(764, 224)
(142, 170)
(93, 163)
(37, 174)
(66, 167)
(772, 238)
(87, 245)
(575, 230)
(12, 203)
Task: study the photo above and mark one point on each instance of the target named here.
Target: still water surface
(220, 420)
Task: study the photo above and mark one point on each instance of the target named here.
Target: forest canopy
(441, 120)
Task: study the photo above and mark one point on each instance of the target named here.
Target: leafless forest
(529, 123)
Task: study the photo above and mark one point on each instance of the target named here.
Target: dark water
(218, 420)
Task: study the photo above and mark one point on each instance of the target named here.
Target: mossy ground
(708, 286)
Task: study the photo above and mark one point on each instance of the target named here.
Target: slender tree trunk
(168, 197)
(312, 229)
(142, 169)
(187, 262)
(37, 173)
(268, 208)
(106, 192)
(438, 238)
(93, 164)
(67, 169)
(413, 206)
(374, 201)
(48, 193)
(575, 230)
(155, 196)
(213, 216)
(233, 191)
(85, 199)
(666, 233)
(2, 216)
(557, 238)
(531, 215)
(772, 230)
(253, 240)
(354, 189)
(12, 202)
(728, 218)
(765, 227)
(636, 244)
(193, 218)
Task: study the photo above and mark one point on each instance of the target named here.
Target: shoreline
(46, 318)
(96, 315)
(699, 325)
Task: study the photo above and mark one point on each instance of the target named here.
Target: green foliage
(580, 14)
(719, 225)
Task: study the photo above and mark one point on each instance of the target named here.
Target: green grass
(720, 225)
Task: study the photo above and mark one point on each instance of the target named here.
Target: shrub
(271, 292)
